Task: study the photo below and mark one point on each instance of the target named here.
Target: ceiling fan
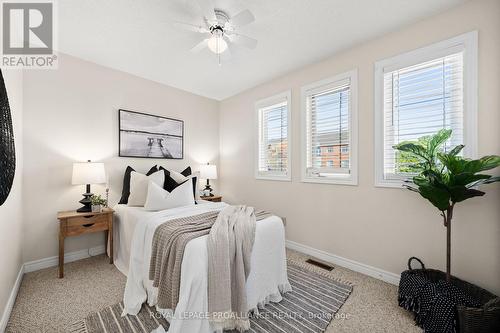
(219, 31)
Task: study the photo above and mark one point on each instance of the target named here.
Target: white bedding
(133, 237)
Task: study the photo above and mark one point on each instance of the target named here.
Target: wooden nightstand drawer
(78, 225)
(84, 220)
(78, 229)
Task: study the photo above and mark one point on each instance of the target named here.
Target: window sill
(331, 180)
(276, 178)
(390, 183)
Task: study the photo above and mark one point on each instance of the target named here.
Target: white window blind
(328, 129)
(273, 144)
(420, 100)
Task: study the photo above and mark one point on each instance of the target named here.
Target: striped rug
(308, 308)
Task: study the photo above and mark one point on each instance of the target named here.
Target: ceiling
(137, 36)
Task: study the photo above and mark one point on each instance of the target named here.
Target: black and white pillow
(174, 178)
(126, 183)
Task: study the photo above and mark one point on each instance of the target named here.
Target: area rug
(310, 306)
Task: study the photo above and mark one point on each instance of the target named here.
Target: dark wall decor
(149, 136)
(7, 149)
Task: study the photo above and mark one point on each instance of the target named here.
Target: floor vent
(319, 264)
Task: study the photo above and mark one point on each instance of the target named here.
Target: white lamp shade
(208, 171)
(88, 173)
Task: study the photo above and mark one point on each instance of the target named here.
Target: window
(329, 122)
(418, 94)
(273, 147)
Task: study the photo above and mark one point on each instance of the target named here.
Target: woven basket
(485, 319)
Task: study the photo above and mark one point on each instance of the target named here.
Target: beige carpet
(48, 304)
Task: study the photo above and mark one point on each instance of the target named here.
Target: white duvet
(133, 237)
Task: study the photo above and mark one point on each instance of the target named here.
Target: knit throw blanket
(229, 244)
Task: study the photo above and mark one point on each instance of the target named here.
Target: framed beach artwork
(149, 136)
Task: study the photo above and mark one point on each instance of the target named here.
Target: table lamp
(86, 174)
(208, 171)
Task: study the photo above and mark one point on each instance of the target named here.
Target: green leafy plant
(445, 178)
(97, 200)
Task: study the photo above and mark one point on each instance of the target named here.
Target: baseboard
(374, 272)
(11, 300)
(36, 265)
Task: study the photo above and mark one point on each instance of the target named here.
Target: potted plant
(445, 178)
(97, 203)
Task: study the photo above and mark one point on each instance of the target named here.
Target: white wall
(71, 114)
(11, 217)
(380, 227)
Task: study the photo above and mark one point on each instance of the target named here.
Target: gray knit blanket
(229, 244)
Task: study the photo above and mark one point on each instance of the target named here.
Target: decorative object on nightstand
(86, 174)
(208, 171)
(97, 203)
(73, 223)
(213, 198)
(107, 192)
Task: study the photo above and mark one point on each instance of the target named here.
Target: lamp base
(209, 189)
(86, 202)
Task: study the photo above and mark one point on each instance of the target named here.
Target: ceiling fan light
(217, 44)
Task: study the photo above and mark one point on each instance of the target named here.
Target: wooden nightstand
(215, 198)
(72, 223)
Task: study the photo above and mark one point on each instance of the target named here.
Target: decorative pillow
(195, 178)
(160, 199)
(177, 176)
(126, 183)
(139, 186)
(174, 179)
(170, 181)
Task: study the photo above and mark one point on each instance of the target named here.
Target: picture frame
(143, 135)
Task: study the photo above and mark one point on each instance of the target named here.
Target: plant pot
(96, 208)
(427, 293)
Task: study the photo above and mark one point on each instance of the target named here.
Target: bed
(133, 233)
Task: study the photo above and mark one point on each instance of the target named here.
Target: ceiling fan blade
(243, 40)
(200, 46)
(242, 18)
(190, 27)
(208, 10)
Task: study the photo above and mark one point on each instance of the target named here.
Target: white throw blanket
(229, 247)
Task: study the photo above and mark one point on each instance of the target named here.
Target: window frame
(340, 178)
(466, 43)
(285, 96)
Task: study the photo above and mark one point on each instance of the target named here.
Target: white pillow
(160, 199)
(139, 186)
(177, 176)
(180, 178)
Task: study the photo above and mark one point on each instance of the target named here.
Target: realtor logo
(28, 34)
